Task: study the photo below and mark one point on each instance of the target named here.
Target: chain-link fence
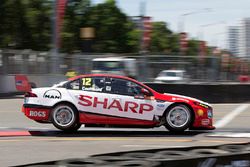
(205, 69)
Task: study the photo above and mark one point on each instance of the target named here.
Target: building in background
(244, 38)
(233, 39)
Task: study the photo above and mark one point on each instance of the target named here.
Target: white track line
(229, 117)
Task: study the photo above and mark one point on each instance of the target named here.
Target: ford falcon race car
(101, 99)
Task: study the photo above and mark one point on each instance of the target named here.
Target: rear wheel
(178, 118)
(65, 117)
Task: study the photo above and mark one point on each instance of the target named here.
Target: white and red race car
(101, 99)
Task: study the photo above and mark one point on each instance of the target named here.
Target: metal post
(54, 53)
(144, 64)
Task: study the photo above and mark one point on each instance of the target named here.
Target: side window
(135, 88)
(122, 87)
(95, 84)
(119, 86)
(74, 85)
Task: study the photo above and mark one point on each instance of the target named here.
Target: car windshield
(168, 74)
(108, 65)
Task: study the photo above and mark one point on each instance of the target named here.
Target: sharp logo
(52, 94)
(128, 106)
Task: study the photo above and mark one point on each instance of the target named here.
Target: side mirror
(145, 92)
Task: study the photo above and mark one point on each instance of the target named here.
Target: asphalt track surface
(23, 141)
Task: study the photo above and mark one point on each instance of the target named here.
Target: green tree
(160, 38)
(38, 18)
(193, 47)
(13, 24)
(114, 31)
(174, 44)
(25, 24)
(2, 21)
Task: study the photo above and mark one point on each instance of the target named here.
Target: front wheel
(178, 118)
(65, 117)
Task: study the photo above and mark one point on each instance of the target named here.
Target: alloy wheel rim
(178, 117)
(64, 116)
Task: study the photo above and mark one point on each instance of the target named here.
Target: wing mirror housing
(145, 92)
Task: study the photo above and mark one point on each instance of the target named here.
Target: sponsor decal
(19, 83)
(87, 82)
(22, 83)
(52, 94)
(203, 105)
(139, 97)
(200, 112)
(93, 89)
(160, 101)
(160, 105)
(205, 122)
(128, 106)
(179, 99)
(108, 88)
(37, 114)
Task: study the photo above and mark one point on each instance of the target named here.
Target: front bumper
(203, 118)
(36, 112)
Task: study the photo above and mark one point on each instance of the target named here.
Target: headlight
(209, 113)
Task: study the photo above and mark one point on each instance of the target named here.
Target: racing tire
(65, 117)
(76, 127)
(178, 118)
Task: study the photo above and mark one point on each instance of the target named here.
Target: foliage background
(26, 24)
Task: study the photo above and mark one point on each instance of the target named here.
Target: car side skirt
(90, 118)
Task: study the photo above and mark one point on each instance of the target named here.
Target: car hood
(174, 96)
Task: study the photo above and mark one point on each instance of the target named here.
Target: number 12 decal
(87, 82)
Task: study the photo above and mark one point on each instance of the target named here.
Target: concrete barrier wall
(46, 80)
(212, 93)
(7, 84)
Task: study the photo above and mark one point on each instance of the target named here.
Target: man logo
(52, 94)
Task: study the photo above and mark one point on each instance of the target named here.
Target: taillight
(30, 94)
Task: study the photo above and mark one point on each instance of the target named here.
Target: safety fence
(207, 69)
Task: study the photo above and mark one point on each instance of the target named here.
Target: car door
(127, 100)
